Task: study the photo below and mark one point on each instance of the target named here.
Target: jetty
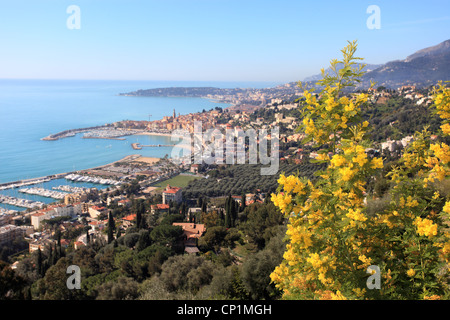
(138, 146)
(29, 182)
(71, 133)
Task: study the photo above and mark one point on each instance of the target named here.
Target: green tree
(167, 235)
(111, 228)
(11, 285)
(213, 238)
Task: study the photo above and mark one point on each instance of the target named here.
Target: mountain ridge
(424, 67)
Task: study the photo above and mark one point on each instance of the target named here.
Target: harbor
(85, 178)
(23, 203)
(44, 192)
(70, 189)
(35, 193)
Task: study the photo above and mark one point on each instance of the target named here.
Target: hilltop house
(172, 194)
(191, 232)
(159, 208)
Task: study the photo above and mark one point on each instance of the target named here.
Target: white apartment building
(53, 212)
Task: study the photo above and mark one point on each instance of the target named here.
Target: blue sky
(221, 40)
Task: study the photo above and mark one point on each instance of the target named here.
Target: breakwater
(29, 182)
(138, 146)
(71, 132)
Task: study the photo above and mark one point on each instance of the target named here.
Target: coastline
(132, 157)
(24, 182)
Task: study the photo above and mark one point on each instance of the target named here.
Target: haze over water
(33, 109)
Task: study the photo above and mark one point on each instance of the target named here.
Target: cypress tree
(233, 211)
(204, 206)
(111, 228)
(138, 218)
(55, 257)
(39, 262)
(243, 201)
(50, 255)
(228, 218)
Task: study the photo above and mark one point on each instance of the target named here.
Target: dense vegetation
(147, 262)
(399, 117)
(336, 236)
(244, 178)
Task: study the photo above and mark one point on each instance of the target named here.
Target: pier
(70, 133)
(29, 182)
(138, 146)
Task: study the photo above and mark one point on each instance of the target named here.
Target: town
(186, 215)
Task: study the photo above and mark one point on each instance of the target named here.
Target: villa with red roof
(160, 208)
(172, 194)
(191, 232)
(128, 220)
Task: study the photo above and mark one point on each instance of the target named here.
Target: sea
(33, 109)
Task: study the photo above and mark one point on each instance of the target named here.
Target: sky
(207, 40)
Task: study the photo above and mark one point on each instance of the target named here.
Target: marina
(44, 192)
(84, 178)
(70, 189)
(18, 202)
(52, 190)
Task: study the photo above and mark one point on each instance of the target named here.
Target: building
(98, 225)
(128, 220)
(40, 244)
(95, 211)
(10, 232)
(90, 194)
(191, 232)
(5, 219)
(124, 202)
(159, 208)
(53, 212)
(172, 194)
(194, 168)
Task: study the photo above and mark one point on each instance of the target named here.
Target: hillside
(422, 68)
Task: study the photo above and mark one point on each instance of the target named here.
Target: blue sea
(33, 109)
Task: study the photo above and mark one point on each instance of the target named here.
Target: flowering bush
(331, 239)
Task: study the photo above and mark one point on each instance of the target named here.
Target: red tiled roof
(160, 206)
(129, 217)
(38, 214)
(98, 208)
(191, 230)
(172, 190)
